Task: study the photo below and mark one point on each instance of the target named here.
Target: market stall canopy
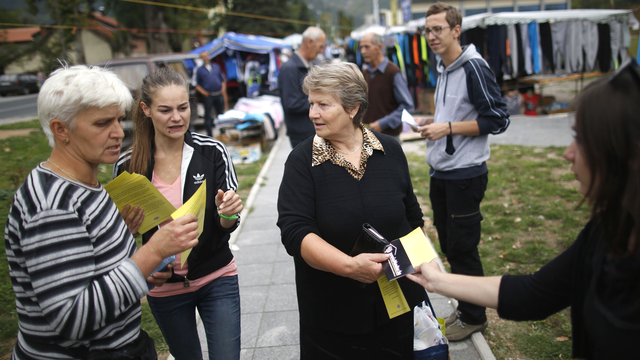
(506, 18)
(241, 42)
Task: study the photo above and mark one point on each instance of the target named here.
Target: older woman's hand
(175, 237)
(368, 267)
(133, 218)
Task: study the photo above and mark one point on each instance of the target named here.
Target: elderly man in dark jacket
(294, 101)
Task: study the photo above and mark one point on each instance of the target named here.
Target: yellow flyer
(394, 299)
(417, 247)
(135, 189)
(196, 206)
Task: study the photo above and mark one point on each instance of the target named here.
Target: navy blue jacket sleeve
(484, 93)
(292, 97)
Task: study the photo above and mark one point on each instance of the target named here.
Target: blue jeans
(210, 102)
(219, 306)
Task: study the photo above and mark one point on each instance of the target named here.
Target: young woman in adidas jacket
(177, 162)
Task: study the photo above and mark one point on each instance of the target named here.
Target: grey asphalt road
(18, 106)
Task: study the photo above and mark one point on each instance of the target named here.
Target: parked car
(133, 70)
(18, 84)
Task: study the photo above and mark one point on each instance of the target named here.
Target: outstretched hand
(425, 275)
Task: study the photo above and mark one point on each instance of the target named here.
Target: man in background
(210, 82)
(388, 91)
(294, 102)
(469, 107)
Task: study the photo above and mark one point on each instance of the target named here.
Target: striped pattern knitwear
(69, 253)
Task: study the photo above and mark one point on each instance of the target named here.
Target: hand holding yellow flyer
(135, 189)
(196, 206)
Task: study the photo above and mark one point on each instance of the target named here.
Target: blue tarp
(240, 42)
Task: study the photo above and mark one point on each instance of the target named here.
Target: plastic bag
(426, 329)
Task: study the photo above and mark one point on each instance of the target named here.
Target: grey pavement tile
(247, 354)
(259, 236)
(463, 350)
(284, 272)
(281, 298)
(254, 274)
(256, 254)
(249, 327)
(253, 298)
(261, 224)
(264, 209)
(282, 255)
(279, 329)
(277, 353)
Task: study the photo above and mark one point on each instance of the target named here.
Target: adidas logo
(198, 178)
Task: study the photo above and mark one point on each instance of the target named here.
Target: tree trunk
(158, 41)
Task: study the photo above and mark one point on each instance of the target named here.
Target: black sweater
(605, 308)
(326, 200)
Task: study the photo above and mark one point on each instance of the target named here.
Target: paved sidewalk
(270, 328)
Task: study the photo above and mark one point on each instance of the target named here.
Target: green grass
(18, 156)
(33, 124)
(531, 214)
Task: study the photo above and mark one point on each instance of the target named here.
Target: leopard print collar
(323, 150)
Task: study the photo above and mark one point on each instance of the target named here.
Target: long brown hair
(144, 132)
(608, 131)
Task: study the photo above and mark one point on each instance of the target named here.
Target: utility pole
(60, 31)
(376, 13)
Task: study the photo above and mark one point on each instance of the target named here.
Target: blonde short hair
(343, 80)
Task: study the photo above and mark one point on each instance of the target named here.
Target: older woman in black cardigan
(334, 182)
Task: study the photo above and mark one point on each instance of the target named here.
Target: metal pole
(568, 4)
(515, 5)
(541, 5)
(462, 11)
(488, 5)
(376, 13)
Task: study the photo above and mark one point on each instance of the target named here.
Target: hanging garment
(253, 78)
(231, 65)
(513, 49)
(475, 36)
(559, 38)
(424, 58)
(544, 69)
(604, 47)
(573, 46)
(589, 44)
(526, 45)
(521, 71)
(533, 44)
(618, 51)
(273, 71)
(400, 61)
(497, 49)
(546, 43)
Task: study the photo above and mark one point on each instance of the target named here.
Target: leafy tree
(292, 9)
(604, 4)
(64, 13)
(10, 52)
(161, 18)
(345, 24)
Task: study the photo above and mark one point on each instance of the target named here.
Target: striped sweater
(68, 251)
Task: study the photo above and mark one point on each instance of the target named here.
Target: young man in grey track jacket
(469, 107)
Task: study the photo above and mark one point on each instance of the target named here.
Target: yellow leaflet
(417, 247)
(394, 299)
(135, 189)
(196, 206)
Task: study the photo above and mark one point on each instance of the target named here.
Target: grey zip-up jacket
(466, 90)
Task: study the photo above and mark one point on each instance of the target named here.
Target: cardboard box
(246, 154)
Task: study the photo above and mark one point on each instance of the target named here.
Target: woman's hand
(425, 275)
(229, 204)
(367, 267)
(175, 237)
(160, 277)
(133, 218)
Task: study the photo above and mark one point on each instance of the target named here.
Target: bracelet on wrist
(227, 217)
(450, 129)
